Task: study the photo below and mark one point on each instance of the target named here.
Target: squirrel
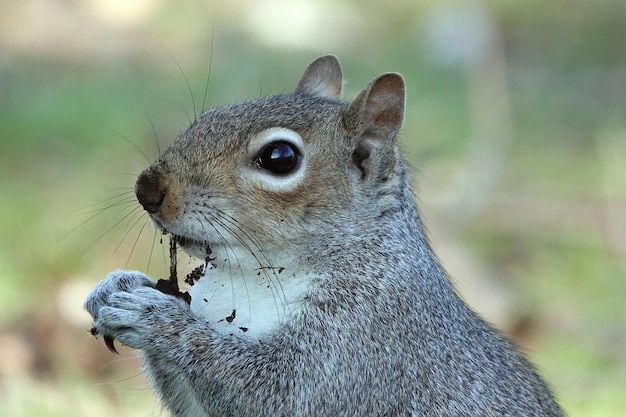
(322, 296)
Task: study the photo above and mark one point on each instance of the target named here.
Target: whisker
(106, 200)
(253, 240)
(113, 362)
(155, 135)
(151, 250)
(232, 225)
(132, 250)
(248, 235)
(95, 213)
(208, 77)
(148, 162)
(193, 99)
(105, 233)
(137, 213)
(202, 223)
(184, 110)
(228, 245)
(275, 285)
(122, 202)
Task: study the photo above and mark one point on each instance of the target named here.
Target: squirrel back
(323, 296)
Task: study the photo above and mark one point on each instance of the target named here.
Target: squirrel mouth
(185, 241)
(198, 248)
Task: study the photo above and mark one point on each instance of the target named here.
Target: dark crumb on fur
(207, 258)
(230, 318)
(275, 269)
(243, 329)
(194, 275)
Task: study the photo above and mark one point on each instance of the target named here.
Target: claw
(110, 342)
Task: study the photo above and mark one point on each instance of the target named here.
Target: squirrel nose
(149, 191)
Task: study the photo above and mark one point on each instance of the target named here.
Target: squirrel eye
(279, 158)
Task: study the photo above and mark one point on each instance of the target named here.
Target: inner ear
(322, 78)
(360, 155)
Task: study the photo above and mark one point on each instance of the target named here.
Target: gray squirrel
(321, 295)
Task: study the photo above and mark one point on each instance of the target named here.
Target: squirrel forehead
(230, 127)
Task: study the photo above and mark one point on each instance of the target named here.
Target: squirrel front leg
(199, 371)
(191, 365)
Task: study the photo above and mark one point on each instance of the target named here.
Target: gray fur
(380, 330)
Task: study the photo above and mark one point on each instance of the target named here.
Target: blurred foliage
(76, 121)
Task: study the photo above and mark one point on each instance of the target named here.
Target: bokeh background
(516, 128)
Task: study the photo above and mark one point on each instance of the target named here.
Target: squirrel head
(275, 171)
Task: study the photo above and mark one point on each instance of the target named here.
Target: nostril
(149, 191)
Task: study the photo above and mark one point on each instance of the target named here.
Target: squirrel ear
(378, 111)
(322, 78)
(373, 119)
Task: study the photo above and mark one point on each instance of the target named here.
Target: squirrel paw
(126, 306)
(139, 317)
(116, 281)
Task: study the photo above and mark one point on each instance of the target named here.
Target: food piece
(170, 285)
(173, 261)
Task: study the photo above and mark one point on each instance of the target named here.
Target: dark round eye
(279, 158)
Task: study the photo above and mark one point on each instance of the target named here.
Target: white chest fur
(242, 297)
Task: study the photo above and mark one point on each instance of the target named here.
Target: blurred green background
(516, 128)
